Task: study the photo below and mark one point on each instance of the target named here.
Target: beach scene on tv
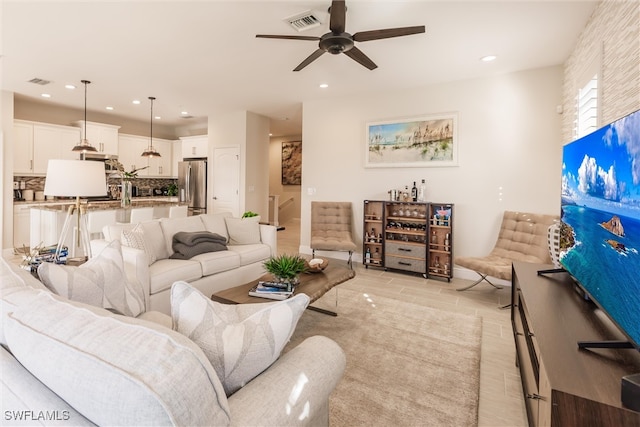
(600, 236)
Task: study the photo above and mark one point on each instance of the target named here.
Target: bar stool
(98, 219)
(141, 215)
(178, 211)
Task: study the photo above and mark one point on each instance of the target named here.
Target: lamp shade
(75, 178)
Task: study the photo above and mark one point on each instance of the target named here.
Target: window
(587, 109)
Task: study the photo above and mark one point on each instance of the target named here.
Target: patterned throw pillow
(134, 238)
(240, 340)
(100, 282)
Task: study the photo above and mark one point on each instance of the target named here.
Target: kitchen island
(46, 218)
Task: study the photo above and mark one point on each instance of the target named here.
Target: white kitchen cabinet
(102, 136)
(35, 143)
(161, 166)
(129, 149)
(195, 146)
(22, 147)
(21, 224)
(176, 157)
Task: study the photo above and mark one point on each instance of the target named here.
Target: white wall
(250, 133)
(509, 152)
(257, 174)
(290, 210)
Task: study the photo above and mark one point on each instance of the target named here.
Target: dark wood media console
(563, 385)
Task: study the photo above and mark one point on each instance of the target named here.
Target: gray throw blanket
(186, 244)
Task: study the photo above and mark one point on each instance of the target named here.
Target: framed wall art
(428, 141)
(292, 163)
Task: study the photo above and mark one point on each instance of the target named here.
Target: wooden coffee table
(314, 285)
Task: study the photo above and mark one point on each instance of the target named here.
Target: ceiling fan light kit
(338, 41)
(83, 146)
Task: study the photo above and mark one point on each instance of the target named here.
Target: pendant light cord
(86, 82)
(151, 98)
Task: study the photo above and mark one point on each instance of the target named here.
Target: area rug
(407, 365)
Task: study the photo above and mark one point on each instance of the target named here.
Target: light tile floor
(501, 399)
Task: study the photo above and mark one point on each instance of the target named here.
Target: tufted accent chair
(522, 237)
(331, 227)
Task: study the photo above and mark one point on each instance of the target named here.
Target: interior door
(226, 180)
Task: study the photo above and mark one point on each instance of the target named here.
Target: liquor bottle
(376, 255)
(434, 240)
(414, 192)
(446, 242)
(367, 256)
(422, 192)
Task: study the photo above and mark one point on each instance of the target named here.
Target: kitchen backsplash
(36, 183)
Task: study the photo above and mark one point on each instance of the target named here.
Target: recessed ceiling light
(45, 95)
(108, 108)
(324, 85)
(184, 113)
(69, 86)
(136, 101)
(157, 117)
(488, 58)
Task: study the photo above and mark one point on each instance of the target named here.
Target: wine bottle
(422, 192)
(367, 256)
(414, 192)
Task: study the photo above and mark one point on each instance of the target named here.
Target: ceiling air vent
(304, 21)
(40, 82)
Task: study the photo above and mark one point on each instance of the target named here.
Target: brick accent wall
(612, 37)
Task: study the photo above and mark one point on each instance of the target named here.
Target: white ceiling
(203, 57)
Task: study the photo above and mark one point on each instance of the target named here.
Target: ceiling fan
(338, 41)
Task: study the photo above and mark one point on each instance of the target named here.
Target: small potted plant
(286, 268)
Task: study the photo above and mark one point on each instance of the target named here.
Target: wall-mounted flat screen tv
(600, 241)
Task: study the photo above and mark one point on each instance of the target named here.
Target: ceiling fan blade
(338, 16)
(358, 56)
(364, 36)
(267, 36)
(315, 55)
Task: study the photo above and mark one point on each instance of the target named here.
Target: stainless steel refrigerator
(192, 185)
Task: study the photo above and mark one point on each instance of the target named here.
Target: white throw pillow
(100, 282)
(116, 370)
(135, 238)
(240, 340)
(243, 231)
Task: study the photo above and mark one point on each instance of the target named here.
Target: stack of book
(272, 290)
(44, 254)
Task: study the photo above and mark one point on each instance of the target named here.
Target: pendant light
(84, 145)
(150, 151)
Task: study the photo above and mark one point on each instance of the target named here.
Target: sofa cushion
(171, 226)
(135, 238)
(240, 340)
(17, 287)
(251, 253)
(163, 273)
(243, 231)
(215, 223)
(100, 282)
(116, 370)
(216, 262)
(154, 238)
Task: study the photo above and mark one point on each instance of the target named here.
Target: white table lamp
(75, 178)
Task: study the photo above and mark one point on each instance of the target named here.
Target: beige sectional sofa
(249, 245)
(69, 363)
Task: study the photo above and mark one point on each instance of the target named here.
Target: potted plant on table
(127, 177)
(286, 268)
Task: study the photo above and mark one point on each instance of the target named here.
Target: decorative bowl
(316, 265)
